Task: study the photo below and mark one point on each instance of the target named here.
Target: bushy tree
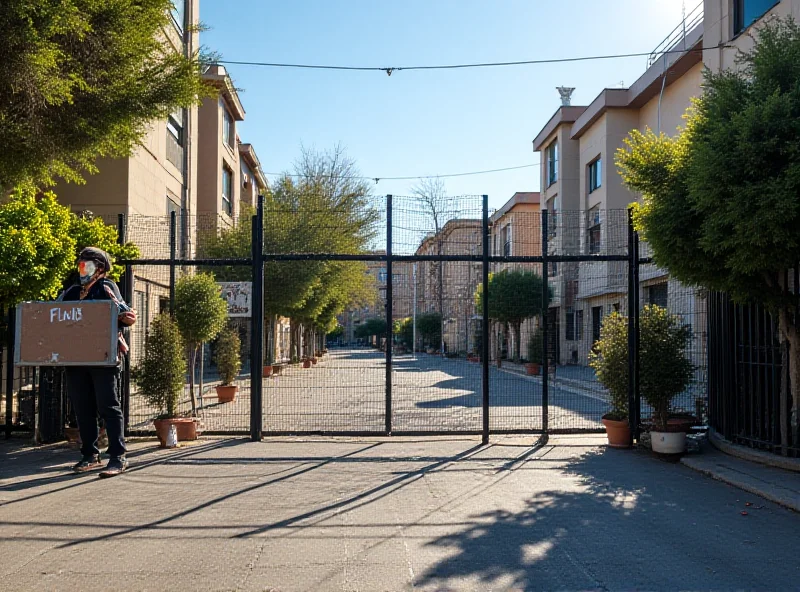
(228, 355)
(374, 327)
(201, 313)
(429, 326)
(609, 359)
(161, 374)
(665, 369)
(514, 296)
(404, 330)
(37, 250)
(720, 201)
(82, 79)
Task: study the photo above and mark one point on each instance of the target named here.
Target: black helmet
(98, 256)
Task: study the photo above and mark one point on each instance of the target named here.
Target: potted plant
(306, 362)
(161, 376)
(201, 313)
(609, 359)
(268, 371)
(665, 372)
(535, 352)
(229, 363)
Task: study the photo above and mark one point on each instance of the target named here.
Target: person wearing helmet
(95, 390)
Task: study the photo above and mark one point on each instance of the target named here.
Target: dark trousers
(94, 391)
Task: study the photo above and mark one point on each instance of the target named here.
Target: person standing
(94, 390)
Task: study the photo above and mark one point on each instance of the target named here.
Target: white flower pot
(668, 442)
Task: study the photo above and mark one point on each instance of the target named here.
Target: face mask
(86, 269)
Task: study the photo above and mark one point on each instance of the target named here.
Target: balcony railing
(677, 35)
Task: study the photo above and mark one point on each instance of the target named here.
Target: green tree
(201, 314)
(161, 375)
(429, 326)
(720, 201)
(404, 329)
(228, 355)
(36, 248)
(514, 295)
(609, 359)
(81, 79)
(665, 369)
(374, 327)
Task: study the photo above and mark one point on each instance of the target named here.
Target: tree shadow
(625, 525)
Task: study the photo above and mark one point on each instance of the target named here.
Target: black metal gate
(464, 370)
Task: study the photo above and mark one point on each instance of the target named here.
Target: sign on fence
(67, 333)
(239, 296)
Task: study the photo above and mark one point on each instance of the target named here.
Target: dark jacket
(103, 289)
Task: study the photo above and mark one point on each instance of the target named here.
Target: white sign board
(239, 296)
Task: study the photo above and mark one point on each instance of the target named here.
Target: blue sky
(425, 122)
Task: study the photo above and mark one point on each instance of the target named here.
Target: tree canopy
(514, 296)
(720, 205)
(80, 79)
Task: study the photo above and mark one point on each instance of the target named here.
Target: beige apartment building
(450, 286)
(587, 202)
(515, 231)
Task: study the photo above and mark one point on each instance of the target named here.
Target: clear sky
(425, 122)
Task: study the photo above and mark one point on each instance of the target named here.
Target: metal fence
(472, 371)
(746, 375)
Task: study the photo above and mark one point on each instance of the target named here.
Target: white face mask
(86, 269)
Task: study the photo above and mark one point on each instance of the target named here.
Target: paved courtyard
(346, 391)
(377, 514)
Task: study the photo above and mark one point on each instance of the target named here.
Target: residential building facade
(587, 201)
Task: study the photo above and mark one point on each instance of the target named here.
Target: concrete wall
(718, 23)
(677, 98)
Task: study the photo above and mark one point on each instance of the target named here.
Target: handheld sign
(82, 333)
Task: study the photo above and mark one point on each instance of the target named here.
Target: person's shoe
(87, 463)
(115, 466)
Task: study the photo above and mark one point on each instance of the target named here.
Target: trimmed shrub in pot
(161, 376)
(229, 363)
(609, 360)
(535, 353)
(665, 372)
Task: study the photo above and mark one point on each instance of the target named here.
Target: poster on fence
(239, 296)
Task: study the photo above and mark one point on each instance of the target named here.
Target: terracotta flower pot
(186, 428)
(227, 393)
(314, 361)
(618, 432)
(267, 371)
(306, 363)
(532, 369)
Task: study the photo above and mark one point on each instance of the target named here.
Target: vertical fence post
(632, 314)
(257, 320)
(546, 332)
(637, 402)
(485, 322)
(10, 331)
(173, 247)
(127, 295)
(389, 314)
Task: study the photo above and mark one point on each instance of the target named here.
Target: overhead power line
(391, 69)
(410, 177)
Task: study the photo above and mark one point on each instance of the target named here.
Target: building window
(597, 322)
(382, 276)
(247, 176)
(553, 269)
(227, 194)
(570, 325)
(175, 125)
(227, 125)
(507, 238)
(658, 294)
(179, 13)
(578, 325)
(552, 163)
(746, 12)
(593, 230)
(595, 175)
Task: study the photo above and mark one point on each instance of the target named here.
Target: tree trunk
(517, 339)
(294, 354)
(273, 321)
(192, 363)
